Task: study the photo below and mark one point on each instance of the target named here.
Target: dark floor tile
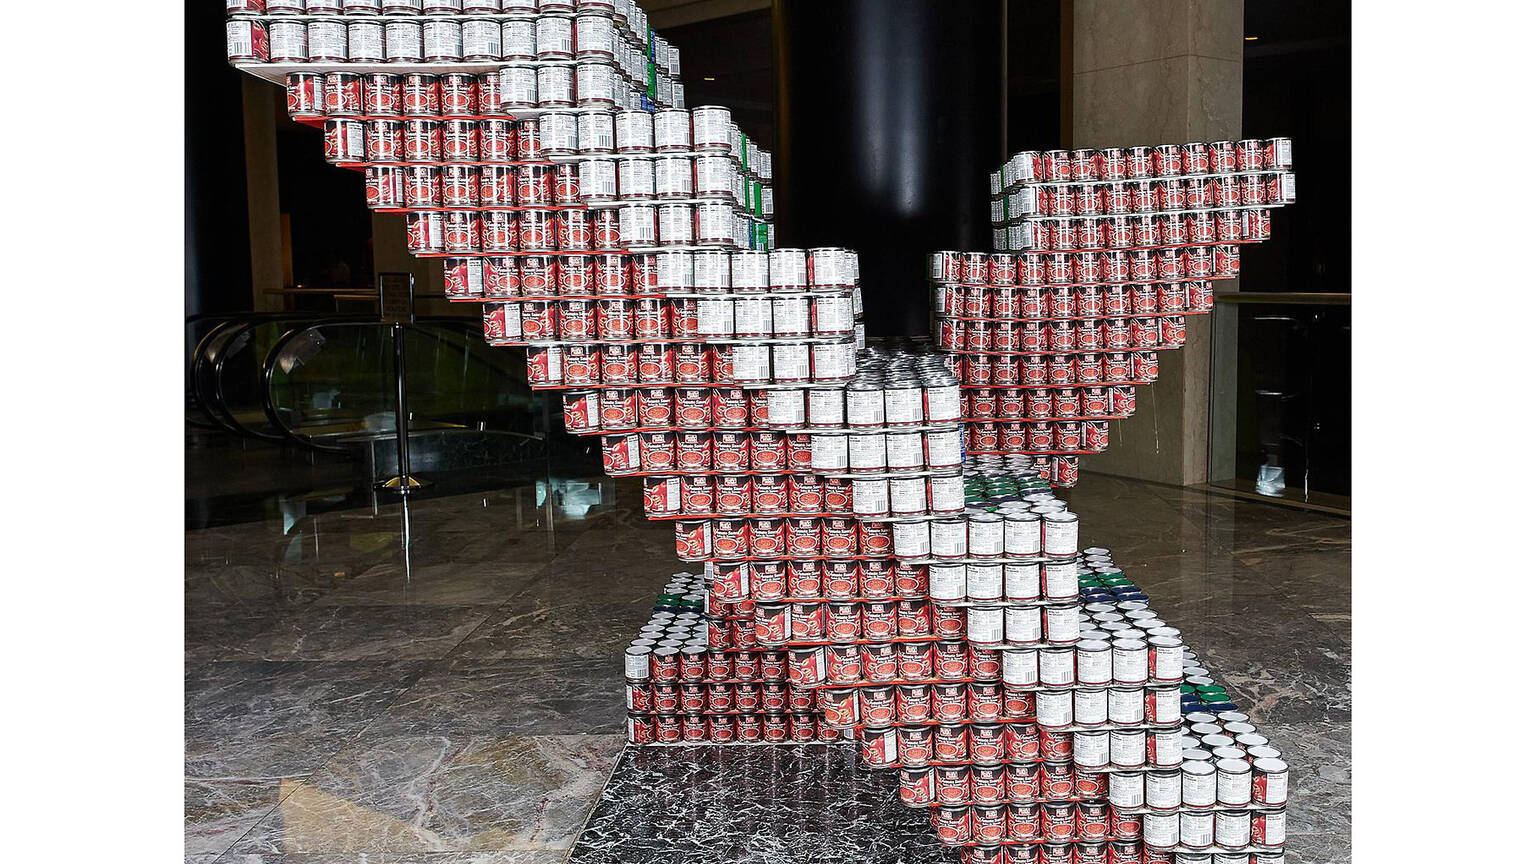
(1318, 848)
(1313, 580)
(530, 697)
(256, 721)
(331, 633)
(259, 587)
(1284, 684)
(415, 795)
(1318, 756)
(217, 813)
(434, 584)
(763, 803)
(534, 626)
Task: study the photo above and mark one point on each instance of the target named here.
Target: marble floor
(346, 702)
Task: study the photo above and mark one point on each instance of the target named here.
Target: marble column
(1159, 72)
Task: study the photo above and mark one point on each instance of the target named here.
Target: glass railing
(331, 385)
(1280, 399)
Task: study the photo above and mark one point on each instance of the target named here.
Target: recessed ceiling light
(1250, 38)
(708, 78)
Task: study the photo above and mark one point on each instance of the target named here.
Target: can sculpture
(884, 562)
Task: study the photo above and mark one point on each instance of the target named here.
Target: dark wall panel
(217, 254)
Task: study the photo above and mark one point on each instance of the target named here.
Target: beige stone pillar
(268, 237)
(391, 256)
(1159, 72)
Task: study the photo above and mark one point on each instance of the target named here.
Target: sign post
(397, 300)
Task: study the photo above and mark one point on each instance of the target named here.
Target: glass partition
(1280, 401)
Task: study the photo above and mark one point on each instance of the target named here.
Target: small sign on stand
(397, 307)
(397, 298)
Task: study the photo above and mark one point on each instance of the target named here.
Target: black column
(889, 116)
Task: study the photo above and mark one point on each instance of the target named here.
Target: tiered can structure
(864, 578)
(795, 526)
(547, 166)
(696, 674)
(1101, 255)
(544, 50)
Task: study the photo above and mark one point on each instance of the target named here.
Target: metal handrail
(194, 371)
(200, 359)
(247, 323)
(269, 367)
(218, 385)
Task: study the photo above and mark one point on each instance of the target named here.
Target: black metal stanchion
(396, 301)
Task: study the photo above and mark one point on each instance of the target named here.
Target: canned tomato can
(383, 140)
(343, 93)
(1234, 782)
(327, 40)
(1270, 782)
(988, 821)
(662, 495)
(423, 141)
(536, 273)
(306, 94)
(1267, 829)
(1250, 155)
(424, 232)
(1056, 165)
(581, 367)
(952, 823)
(345, 141)
(672, 130)
(536, 233)
(732, 495)
(566, 181)
(621, 364)
(581, 411)
(621, 454)
(517, 89)
(556, 86)
(287, 41)
(694, 451)
(1277, 154)
(384, 186)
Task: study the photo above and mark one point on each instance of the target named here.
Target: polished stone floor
(347, 704)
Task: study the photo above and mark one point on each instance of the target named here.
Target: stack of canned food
(758, 319)
(1082, 755)
(1025, 691)
(864, 578)
(697, 674)
(1102, 255)
(983, 721)
(1164, 197)
(821, 478)
(546, 51)
(623, 240)
(476, 174)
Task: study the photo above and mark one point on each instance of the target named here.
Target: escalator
(292, 405)
(225, 373)
(329, 385)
